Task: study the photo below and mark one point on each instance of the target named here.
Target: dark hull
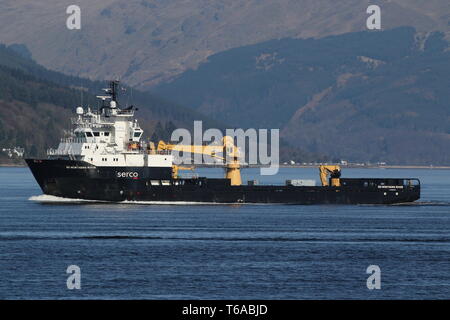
(79, 180)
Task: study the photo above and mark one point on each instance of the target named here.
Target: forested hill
(36, 105)
(364, 96)
(148, 41)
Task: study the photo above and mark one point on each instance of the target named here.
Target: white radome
(80, 111)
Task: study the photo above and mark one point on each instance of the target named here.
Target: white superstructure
(109, 137)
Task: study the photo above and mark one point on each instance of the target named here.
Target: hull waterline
(81, 180)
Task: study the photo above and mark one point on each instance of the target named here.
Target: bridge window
(411, 182)
(88, 134)
(96, 134)
(106, 134)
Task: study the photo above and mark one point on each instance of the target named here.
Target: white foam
(45, 198)
(54, 199)
(177, 203)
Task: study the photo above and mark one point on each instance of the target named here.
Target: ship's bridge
(93, 135)
(109, 136)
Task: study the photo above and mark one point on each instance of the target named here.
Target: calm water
(130, 251)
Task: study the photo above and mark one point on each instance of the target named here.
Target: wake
(45, 198)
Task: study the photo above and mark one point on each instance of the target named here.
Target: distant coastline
(441, 167)
(373, 166)
(13, 165)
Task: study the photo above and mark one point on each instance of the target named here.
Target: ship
(105, 158)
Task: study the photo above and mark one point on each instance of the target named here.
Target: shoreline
(373, 167)
(431, 167)
(12, 165)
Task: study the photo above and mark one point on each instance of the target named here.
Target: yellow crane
(176, 168)
(230, 156)
(334, 172)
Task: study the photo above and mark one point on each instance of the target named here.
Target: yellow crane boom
(176, 168)
(229, 150)
(334, 172)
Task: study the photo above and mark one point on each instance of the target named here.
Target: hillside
(36, 105)
(147, 41)
(364, 96)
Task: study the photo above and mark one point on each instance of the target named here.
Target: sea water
(157, 251)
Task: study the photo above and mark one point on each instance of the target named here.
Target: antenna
(113, 86)
(131, 95)
(81, 93)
